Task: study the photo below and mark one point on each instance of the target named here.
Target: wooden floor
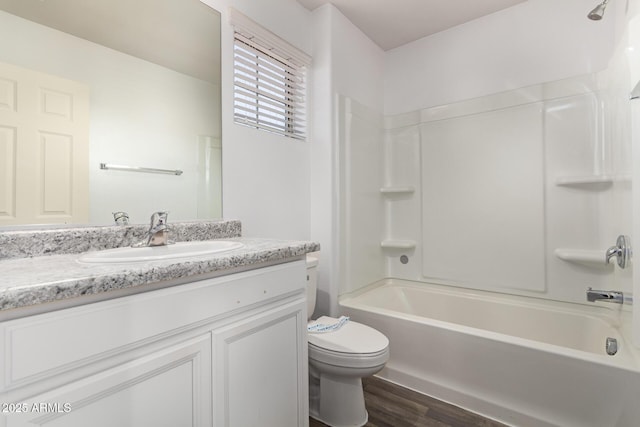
(390, 405)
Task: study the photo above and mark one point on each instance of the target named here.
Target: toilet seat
(348, 360)
(353, 337)
(354, 345)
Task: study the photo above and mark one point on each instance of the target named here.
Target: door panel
(167, 388)
(44, 142)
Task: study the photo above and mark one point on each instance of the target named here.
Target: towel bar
(140, 169)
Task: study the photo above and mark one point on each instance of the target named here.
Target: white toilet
(338, 360)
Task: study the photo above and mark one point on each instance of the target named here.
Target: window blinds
(269, 84)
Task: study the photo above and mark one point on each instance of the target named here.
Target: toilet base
(335, 400)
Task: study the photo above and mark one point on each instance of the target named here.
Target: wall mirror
(90, 88)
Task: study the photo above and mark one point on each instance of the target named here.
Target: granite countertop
(36, 280)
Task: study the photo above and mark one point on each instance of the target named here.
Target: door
(44, 148)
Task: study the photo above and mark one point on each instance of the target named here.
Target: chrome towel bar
(140, 169)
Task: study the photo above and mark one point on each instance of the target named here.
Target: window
(269, 81)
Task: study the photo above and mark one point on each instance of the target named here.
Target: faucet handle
(159, 218)
(622, 251)
(159, 214)
(121, 218)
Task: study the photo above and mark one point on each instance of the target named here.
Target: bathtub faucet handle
(622, 251)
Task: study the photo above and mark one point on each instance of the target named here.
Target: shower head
(598, 11)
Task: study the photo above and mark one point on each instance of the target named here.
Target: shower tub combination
(522, 361)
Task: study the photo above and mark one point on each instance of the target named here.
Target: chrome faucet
(158, 234)
(609, 296)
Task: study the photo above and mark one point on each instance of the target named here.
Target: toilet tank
(312, 284)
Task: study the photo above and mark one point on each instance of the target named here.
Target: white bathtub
(522, 361)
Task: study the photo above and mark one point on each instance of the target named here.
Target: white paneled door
(44, 148)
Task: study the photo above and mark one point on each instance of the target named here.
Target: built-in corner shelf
(398, 190)
(397, 244)
(584, 256)
(587, 180)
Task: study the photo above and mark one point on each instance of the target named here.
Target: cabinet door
(168, 387)
(260, 370)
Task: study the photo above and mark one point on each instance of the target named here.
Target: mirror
(120, 83)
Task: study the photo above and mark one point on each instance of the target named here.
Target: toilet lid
(353, 337)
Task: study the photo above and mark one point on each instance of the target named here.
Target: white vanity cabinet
(227, 351)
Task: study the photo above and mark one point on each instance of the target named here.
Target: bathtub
(522, 361)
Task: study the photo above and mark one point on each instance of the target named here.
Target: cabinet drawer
(40, 346)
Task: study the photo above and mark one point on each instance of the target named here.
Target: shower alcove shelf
(397, 244)
(586, 181)
(591, 257)
(397, 190)
(390, 192)
(582, 256)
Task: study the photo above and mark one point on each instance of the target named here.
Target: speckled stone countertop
(37, 241)
(38, 279)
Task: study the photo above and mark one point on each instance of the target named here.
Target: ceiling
(392, 23)
(183, 35)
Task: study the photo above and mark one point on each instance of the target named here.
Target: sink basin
(159, 253)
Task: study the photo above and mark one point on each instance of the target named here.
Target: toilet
(338, 360)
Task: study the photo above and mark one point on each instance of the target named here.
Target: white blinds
(269, 87)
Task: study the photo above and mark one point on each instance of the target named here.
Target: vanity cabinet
(227, 351)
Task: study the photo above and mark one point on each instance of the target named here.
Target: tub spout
(609, 296)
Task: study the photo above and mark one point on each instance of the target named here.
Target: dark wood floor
(390, 405)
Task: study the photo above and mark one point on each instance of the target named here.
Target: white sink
(159, 253)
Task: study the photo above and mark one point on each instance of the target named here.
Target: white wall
(265, 176)
(346, 63)
(324, 179)
(633, 54)
(533, 42)
(283, 188)
(133, 119)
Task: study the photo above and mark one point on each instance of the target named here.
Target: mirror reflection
(89, 82)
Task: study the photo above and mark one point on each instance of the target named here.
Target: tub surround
(40, 267)
(538, 145)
